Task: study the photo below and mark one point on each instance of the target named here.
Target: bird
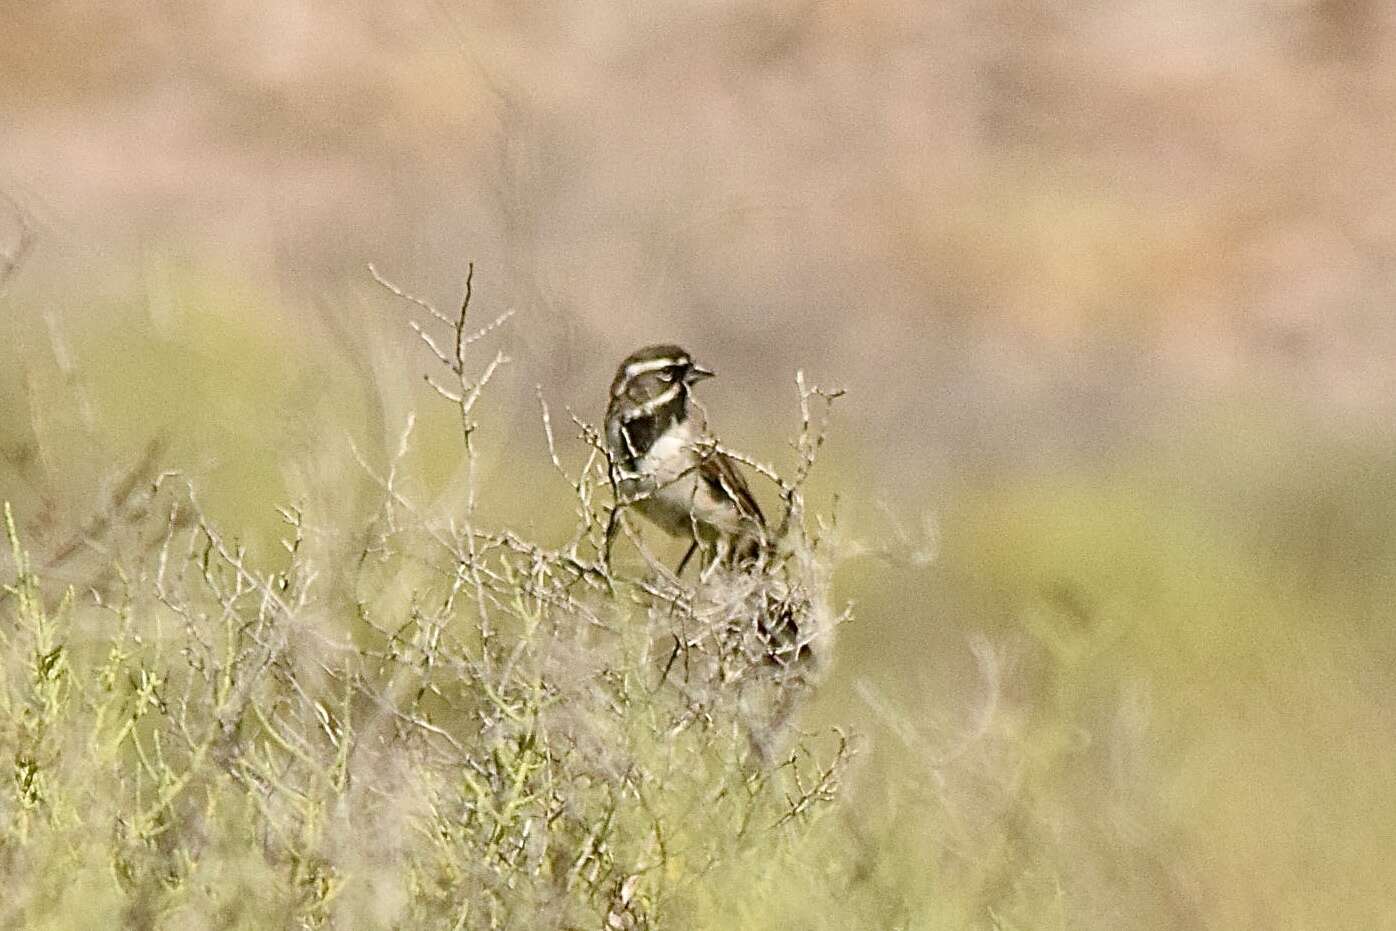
(666, 465)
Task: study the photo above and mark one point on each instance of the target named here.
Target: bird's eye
(666, 374)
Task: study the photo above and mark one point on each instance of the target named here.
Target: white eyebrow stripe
(655, 403)
(636, 368)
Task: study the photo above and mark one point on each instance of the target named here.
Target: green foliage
(416, 721)
(1152, 694)
(209, 748)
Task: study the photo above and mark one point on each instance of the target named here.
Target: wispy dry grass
(451, 725)
(1148, 695)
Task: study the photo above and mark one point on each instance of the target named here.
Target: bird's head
(657, 375)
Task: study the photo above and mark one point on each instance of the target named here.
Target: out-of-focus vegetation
(419, 719)
(1146, 695)
(1110, 288)
(1019, 223)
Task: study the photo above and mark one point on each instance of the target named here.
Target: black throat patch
(644, 431)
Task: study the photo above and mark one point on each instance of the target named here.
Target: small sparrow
(666, 465)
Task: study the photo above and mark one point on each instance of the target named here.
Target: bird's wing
(721, 475)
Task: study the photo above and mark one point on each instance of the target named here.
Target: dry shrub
(432, 724)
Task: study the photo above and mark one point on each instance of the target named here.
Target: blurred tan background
(1013, 225)
(1111, 287)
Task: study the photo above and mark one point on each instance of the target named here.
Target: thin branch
(425, 305)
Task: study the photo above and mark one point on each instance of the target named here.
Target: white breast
(671, 478)
(671, 453)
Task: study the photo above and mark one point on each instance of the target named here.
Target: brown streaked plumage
(664, 463)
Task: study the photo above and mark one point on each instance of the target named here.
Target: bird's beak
(698, 373)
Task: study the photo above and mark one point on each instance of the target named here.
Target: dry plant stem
(323, 745)
(807, 445)
(465, 396)
(583, 487)
(126, 501)
(982, 717)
